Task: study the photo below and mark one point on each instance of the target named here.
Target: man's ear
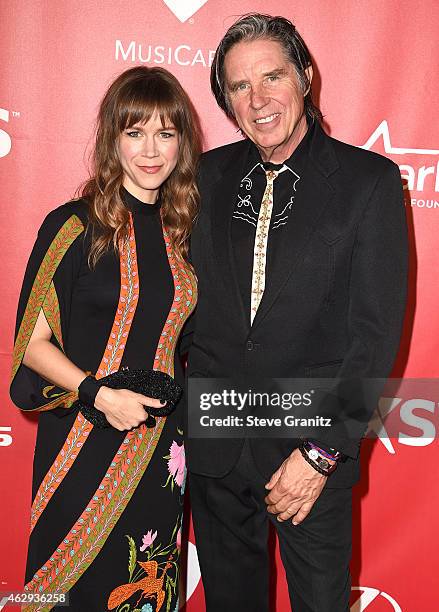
(309, 73)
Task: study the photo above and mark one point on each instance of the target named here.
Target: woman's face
(148, 154)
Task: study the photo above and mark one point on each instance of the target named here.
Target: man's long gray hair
(256, 26)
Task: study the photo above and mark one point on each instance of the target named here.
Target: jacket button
(250, 345)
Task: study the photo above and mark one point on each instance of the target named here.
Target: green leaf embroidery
(133, 556)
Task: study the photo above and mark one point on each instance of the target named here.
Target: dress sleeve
(48, 282)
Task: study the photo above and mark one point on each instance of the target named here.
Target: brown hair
(132, 98)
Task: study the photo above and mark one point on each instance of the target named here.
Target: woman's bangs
(152, 98)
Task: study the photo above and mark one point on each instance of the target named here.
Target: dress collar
(136, 206)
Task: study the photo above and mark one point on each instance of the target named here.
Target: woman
(108, 287)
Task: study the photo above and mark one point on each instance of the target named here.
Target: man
(300, 252)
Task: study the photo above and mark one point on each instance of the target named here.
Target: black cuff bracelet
(88, 390)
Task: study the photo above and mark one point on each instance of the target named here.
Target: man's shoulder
(222, 154)
(359, 159)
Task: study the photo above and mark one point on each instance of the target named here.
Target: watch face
(313, 454)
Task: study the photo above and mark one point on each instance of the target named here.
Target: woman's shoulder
(64, 212)
(70, 215)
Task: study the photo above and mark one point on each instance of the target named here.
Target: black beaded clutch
(152, 383)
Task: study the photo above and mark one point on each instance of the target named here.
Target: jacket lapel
(314, 195)
(224, 192)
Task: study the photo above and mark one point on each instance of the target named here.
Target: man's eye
(272, 78)
(239, 87)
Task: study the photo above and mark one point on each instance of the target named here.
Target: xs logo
(369, 595)
(405, 415)
(5, 139)
(5, 438)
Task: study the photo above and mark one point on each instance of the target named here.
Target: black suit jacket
(334, 298)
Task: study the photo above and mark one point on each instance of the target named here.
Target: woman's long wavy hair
(131, 99)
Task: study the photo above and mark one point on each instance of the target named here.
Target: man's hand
(294, 488)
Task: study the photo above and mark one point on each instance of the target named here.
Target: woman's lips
(149, 169)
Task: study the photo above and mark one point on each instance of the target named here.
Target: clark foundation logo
(419, 178)
(184, 9)
(369, 595)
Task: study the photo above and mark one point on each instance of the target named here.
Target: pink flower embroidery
(147, 540)
(177, 462)
(178, 542)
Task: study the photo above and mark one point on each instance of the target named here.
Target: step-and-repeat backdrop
(376, 83)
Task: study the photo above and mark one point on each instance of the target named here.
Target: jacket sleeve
(377, 300)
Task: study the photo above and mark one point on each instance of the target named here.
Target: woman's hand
(124, 409)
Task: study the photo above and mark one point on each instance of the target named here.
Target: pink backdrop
(377, 85)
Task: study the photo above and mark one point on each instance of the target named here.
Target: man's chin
(268, 148)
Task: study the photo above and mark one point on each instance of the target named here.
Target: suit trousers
(231, 527)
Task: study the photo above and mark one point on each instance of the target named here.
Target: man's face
(266, 97)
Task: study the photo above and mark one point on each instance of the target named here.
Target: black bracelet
(312, 463)
(88, 390)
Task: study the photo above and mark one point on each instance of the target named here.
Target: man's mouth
(267, 119)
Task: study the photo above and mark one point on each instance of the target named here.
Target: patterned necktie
(261, 241)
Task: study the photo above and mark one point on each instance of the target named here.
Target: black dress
(107, 505)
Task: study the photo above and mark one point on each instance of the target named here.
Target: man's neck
(284, 150)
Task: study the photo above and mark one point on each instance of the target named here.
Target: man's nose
(258, 98)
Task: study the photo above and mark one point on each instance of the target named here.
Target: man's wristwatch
(313, 457)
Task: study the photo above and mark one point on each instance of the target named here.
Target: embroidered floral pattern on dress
(156, 577)
(176, 464)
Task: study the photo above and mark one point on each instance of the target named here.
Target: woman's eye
(167, 135)
(133, 133)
